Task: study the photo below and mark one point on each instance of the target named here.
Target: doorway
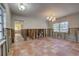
(18, 26)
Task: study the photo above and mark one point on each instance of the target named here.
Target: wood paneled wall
(33, 33)
(9, 37)
(72, 34)
(10, 33)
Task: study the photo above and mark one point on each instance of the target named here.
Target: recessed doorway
(18, 26)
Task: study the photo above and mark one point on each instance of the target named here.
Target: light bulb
(50, 18)
(21, 7)
(47, 18)
(54, 18)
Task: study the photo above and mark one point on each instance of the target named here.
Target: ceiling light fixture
(21, 7)
(54, 19)
(51, 18)
(47, 18)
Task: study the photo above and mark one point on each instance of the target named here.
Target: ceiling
(45, 9)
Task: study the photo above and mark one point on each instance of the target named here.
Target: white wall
(73, 20)
(35, 24)
(31, 23)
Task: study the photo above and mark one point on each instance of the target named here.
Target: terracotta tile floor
(45, 47)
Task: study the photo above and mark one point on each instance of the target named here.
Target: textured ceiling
(45, 9)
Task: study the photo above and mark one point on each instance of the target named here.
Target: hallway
(44, 47)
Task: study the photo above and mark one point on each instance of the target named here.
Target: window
(60, 27)
(64, 27)
(0, 11)
(1, 23)
(0, 18)
(56, 27)
(3, 46)
(0, 27)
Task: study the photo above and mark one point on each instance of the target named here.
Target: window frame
(55, 29)
(65, 26)
(2, 22)
(62, 28)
